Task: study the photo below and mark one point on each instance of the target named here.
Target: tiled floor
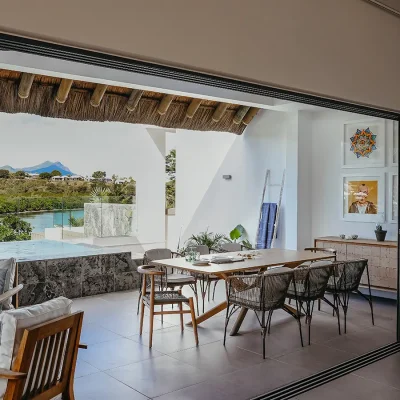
(118, 363)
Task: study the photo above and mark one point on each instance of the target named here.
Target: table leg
(208, 314)
(239, 321)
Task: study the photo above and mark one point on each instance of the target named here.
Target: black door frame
(31, 46)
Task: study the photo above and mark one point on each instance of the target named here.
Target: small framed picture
(363, 144)
(363, 197)
(393, 144)
(393, 197)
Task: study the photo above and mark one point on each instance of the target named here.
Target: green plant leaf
(235, 234)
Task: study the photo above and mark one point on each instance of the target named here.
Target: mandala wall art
(364, 144)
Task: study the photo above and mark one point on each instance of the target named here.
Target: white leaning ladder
(267, 184)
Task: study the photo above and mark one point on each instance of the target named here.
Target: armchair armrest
(11, 375)
(10, 293)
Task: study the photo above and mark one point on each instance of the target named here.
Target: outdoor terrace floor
(118, 364)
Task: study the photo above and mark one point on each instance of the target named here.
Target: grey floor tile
(386, 371)
(317, 357)
(100, 386)
(158, 376)
(351, 387)
(126, 324)
(217, 358)
(259, 379)
(116, 353)
(363, 341)
(83, 368)
(170, 340)
(93, 333)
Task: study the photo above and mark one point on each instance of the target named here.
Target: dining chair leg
(263, 331)
(162, 315)
(215, 286)
(226, 322)
(269, 321)
(181, 312)
(298, 308)
(194, 323)
(141, 318)
(208, 290)
(151, 327)
(319, 304)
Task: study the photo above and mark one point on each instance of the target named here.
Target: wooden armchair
(46, 359)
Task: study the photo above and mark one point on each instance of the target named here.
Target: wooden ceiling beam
(134, 99)
(193, 107)
(98, 94)
(220, 111)
(237, 119)
(63, 90)
(25, 85)
(165, 103)
(250, 115)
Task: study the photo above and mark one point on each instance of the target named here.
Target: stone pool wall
(76, 277)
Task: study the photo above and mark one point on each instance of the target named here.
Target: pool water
(50, 219)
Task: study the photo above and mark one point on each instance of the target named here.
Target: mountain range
(47, 166)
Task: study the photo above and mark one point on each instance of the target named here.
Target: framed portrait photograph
(393, 197)
(393, 144)
(363, 144)
(363, 197)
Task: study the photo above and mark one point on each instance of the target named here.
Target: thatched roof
(86, 101)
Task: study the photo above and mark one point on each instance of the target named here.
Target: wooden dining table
(261, 260)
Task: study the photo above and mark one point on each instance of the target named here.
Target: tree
(45, 175)
(99, 175)
(170, 164)
(13, 228)
(55, 173)
(20, 175)
(4, 173)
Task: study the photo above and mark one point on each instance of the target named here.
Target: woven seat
(176, 279)
(166, 296)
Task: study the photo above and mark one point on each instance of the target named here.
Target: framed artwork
(363, 144)
(393, 197)
(363, 197)
(394, 144)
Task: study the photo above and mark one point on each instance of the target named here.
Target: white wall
(226, 203)
(325, 150)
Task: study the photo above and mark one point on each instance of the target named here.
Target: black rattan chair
(262, 293)
(345, 281)
(309, 284)
(169, 280)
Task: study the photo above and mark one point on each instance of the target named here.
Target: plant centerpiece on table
(238, 233)
(380, 233)
(212, 240)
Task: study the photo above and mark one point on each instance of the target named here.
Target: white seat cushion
(14, 322)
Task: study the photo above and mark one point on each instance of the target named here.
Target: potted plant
(237, 233)
(380, 233)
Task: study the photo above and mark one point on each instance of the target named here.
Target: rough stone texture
(97, 285)
(76, 277)
(109, 220)
(31, 272)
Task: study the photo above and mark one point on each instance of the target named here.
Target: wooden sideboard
(382, 258)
